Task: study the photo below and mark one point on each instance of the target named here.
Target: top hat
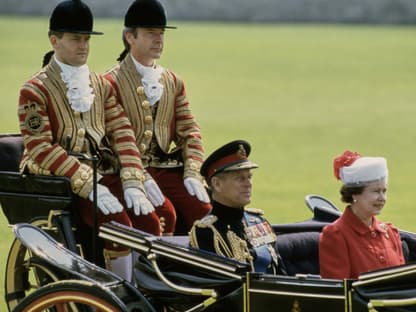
(354, 170)
(146, 14)
(230, 157)
(72, 16)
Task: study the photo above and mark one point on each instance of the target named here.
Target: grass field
(301, 94)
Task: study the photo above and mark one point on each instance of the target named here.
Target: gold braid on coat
(236, 248)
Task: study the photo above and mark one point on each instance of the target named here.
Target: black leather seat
(299, 252)
(24, 197)
(11, 150)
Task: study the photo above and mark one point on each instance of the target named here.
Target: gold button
(148, 133)
(81, 132)
(194, 165)
(77, 149)
(148, 119)
(85, 175)
(126, 175)
(77, 114)
(78, 183)
(145, 104)
(140, 90)
(142, 147)
(139, 176)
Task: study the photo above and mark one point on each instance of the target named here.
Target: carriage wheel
(70, 296)
(24, 274)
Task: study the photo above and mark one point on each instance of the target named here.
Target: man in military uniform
(230, 229)
(64, 110)
(154, 99)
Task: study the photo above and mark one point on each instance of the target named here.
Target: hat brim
(84, 32)
(239, 166)
(153, 26)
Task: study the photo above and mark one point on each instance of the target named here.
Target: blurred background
(316, 11)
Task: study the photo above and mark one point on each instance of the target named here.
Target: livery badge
(33, 120)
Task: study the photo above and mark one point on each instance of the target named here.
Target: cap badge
(241, 153)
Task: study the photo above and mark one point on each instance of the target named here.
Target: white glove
(195, 188)
(106, 201)
(137, 199)
(153, 192)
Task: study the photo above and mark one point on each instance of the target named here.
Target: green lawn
(301, 94)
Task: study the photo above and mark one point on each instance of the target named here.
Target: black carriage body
(258, 292)
(392, 289)
(285, 293)
(172, 273)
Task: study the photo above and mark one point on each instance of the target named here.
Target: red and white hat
(354, 170)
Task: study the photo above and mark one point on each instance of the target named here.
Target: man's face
(71, 49)
(147, 45)
(232, 188)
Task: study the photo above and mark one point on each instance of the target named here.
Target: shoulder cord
(239, 249)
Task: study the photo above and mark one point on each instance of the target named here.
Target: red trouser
(188, 208)
(148, 223)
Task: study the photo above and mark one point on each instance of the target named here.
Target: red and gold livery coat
(49, 125)
(172, 126)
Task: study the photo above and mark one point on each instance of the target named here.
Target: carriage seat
(11, 151)
(24, 197)
(299, 252)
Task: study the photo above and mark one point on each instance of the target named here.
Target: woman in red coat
(357, 242)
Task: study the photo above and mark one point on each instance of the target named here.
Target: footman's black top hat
(230, 157)
(72, 16)
(146, 14)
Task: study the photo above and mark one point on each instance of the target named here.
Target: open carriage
(47, 271)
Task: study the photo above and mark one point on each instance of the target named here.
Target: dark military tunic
(238, 233)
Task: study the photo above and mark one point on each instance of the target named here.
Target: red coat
(348, 247)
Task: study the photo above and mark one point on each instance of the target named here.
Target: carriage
(52, 268)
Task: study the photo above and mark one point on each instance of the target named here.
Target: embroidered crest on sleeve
(33, 120)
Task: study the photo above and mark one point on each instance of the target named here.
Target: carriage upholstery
(11, 150)
(24, 196)
(299, 252)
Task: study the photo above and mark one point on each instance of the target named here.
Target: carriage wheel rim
(65, 297)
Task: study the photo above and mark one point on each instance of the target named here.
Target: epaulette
(206, 221)
(257, 211)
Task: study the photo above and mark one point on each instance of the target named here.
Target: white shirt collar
(77, 79)
(150, 80)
